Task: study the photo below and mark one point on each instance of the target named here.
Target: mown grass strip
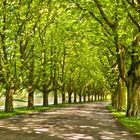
(25, 110)
(132, 123)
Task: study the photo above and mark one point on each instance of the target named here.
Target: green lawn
(133, 124)
(25, 110)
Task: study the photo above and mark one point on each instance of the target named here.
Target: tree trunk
(54, 86)
(69, 90)
(69, 97)
(45, 96)
(63, 72)
(30, 97)
(92, 98)
(133, 81)
(133, 106)
(101, 97)
(95, 97)
(98, 97)
(63, 93)
(55, 97)
(9, 100)
(84, 96)
(121, 95)
(9, 91)
(31, 80)
(75, 97)
(88, 97)
(45, 99)
(115, 99)
(120, 50)
(80, 97)
(63, 97)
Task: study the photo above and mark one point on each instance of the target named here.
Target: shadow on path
(78, 122)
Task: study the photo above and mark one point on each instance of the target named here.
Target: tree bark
(9, 99)
(84, 96)
(88, 97)
(63, 95)
(95, 97)
(30, 97)
(133, 81)
(75, 97)
(63, 72)
(115, 99)
(63, 98)
(69, 97)
(45, 96)
(92, 97)
(98, 96)
(133, 106)
(122, 72)
(80, 97)
(55, 97)
(54, 86)
(121, 95)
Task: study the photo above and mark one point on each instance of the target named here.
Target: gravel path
(78, 122)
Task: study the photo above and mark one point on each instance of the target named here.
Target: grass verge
(25, 110)
(132, 123)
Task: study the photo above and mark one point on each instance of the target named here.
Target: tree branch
(110, 24)
(94, 16)
(131, 3)
(131, 17)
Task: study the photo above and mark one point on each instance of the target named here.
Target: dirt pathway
(78, 122)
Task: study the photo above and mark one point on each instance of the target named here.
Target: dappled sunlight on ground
(79, 122)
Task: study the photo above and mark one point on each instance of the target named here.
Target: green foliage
(63, 44)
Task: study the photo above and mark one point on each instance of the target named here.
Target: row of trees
(119, 22)
(44, 49)
(75, 47)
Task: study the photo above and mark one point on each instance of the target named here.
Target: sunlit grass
(131, 123)
(25, 110)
